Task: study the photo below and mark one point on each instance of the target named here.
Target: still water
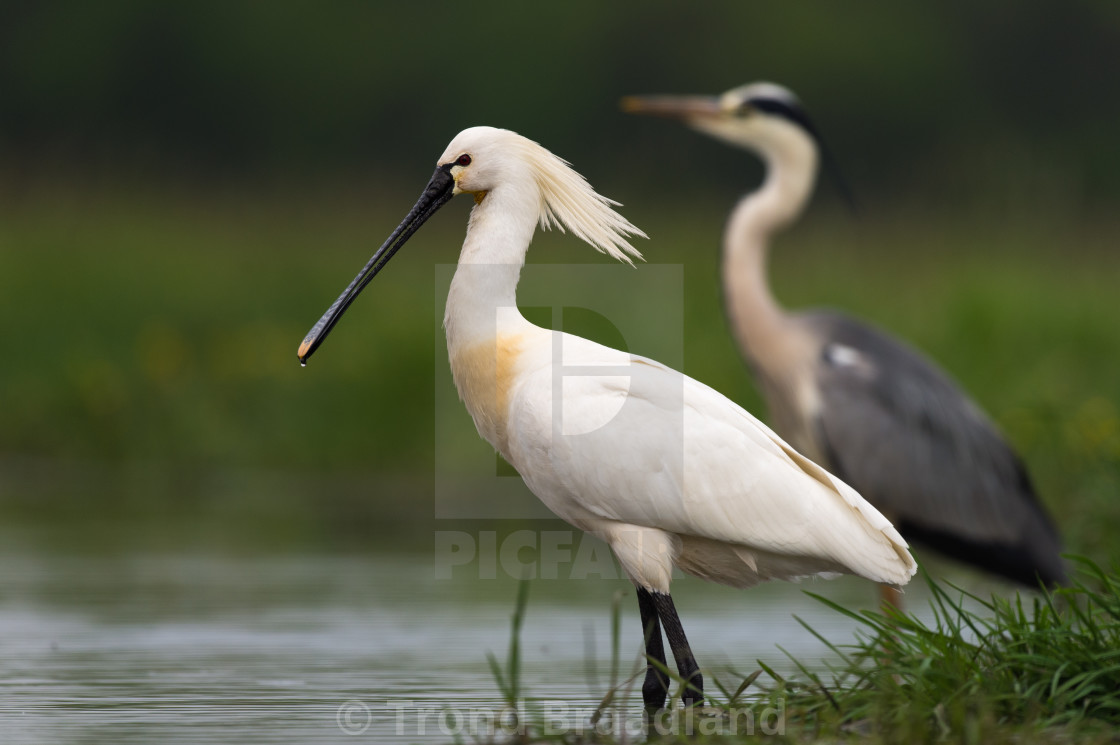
(183, 648)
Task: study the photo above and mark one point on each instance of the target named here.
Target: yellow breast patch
(484, 374)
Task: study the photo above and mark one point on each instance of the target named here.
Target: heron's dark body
(897, 429)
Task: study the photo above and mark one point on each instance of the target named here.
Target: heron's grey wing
(910, 441)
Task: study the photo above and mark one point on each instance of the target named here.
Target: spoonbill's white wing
(648, 447)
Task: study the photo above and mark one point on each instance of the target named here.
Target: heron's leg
(890, 595)
(656, 685)
(682, 653)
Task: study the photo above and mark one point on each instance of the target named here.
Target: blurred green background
(184, 188)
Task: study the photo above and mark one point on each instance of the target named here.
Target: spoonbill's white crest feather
(566, 200)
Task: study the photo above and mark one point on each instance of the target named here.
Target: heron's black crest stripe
(787, 110)
(790, 111)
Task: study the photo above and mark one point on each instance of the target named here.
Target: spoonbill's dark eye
(464, 160)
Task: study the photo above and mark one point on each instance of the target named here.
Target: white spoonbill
(871, 409)
(661, 467)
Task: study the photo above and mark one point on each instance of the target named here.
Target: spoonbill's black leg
(686, 663)
(656, 685)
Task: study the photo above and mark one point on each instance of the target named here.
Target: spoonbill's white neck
(498, 235)
(527, 186)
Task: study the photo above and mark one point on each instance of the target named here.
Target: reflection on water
(180, 648)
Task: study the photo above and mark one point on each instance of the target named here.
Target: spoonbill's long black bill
(436, 194)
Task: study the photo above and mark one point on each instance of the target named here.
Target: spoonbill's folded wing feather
(658, 449)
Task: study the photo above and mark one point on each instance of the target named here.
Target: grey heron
(668, 472)
(870, 408)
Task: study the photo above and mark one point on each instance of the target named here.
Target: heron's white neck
(756, 318)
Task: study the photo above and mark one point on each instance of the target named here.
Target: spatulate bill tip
(304, 351)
